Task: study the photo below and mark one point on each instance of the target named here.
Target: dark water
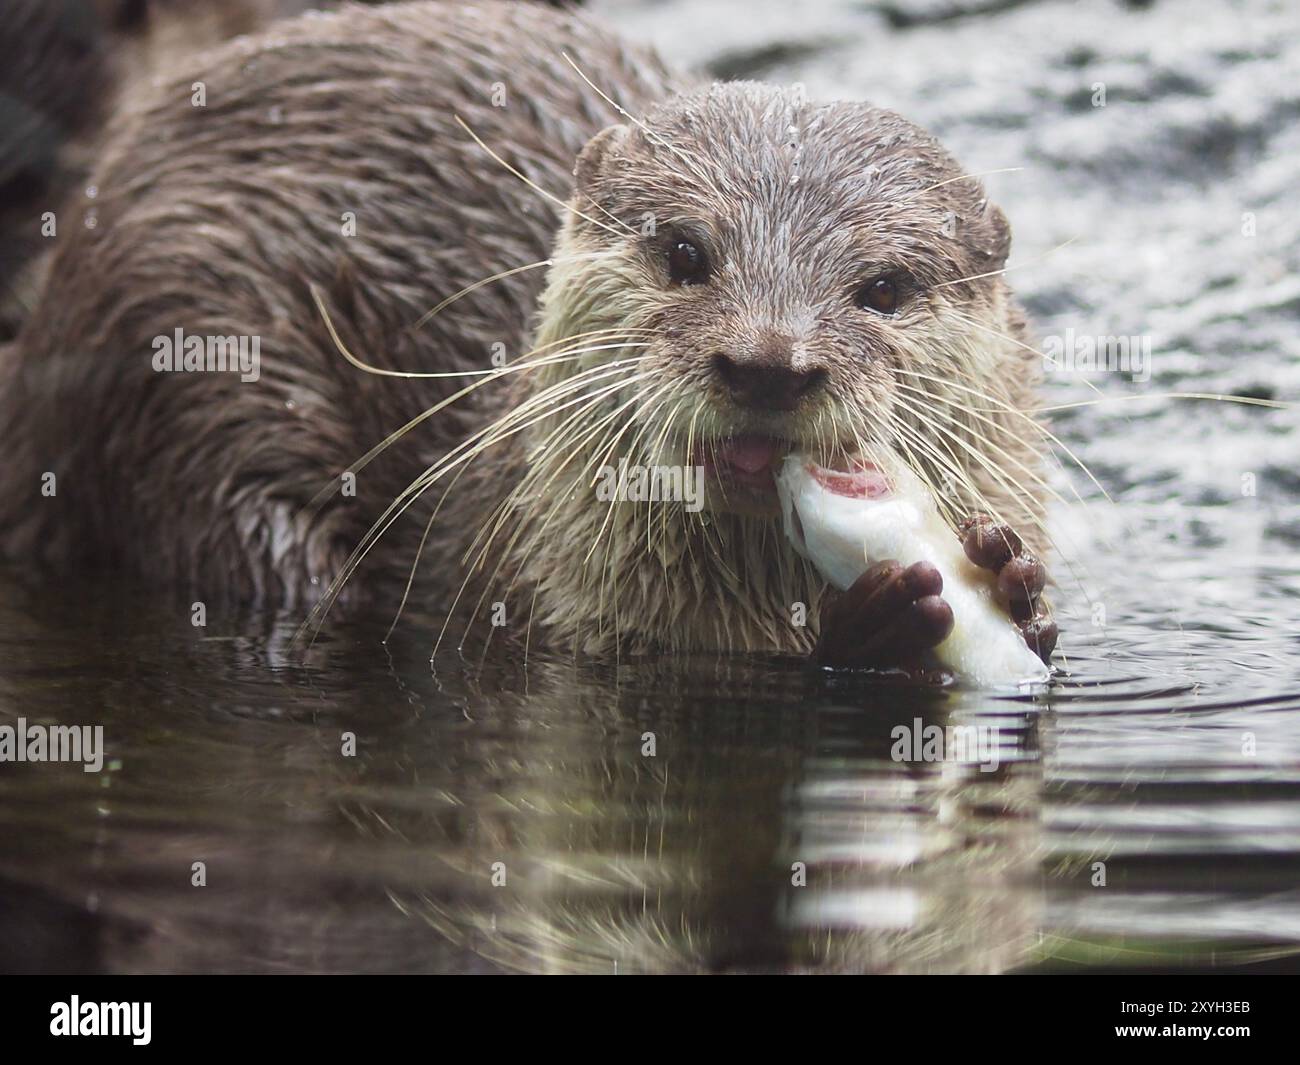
(1165, 761)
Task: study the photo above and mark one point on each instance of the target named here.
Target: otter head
(767, 275)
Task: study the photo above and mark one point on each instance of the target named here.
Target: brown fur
(220, 221)
(69, 60)
(799, 203)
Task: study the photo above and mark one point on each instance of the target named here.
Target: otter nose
(766, 383)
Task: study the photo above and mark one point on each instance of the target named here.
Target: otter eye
(880, 295)
(687, 265)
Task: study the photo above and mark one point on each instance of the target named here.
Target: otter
(511, 250)
(71, 59)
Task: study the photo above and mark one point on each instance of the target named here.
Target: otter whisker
(613, 443)
(1005, 269)
(645, 403)
(921, 402)
(564, 385)
(915, 411)
(502, 510)
(495, 371)
(437, 309)
(971, 177)
(409, 495)
(600, 535)
(960, 479)
(1013, 340)
(646, 413)
(945, 461)
(669, 422)
(518, 365)
(428, 526)
(894, 433)
(690, 451)
(585, 403)
(1248, 401)
(1015, 489)
(922, 398)
(415, 563)
(1010, 409)
(947, 401)
(985, 505)
(524, 361)
(528, 484)
(537, 188)
(395, 510)
(537, 537)
(544, 399)
(650, 134)
(907, 437)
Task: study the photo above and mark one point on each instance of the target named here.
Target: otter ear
(995, 244)
(593, 155)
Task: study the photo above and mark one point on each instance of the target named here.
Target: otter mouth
(746, 463)
(745, 467)
(855, 478)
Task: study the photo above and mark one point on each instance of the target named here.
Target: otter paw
(1021, 577)
(888, 618)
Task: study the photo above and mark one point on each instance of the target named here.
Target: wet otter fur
(70, 60)
(233, 219)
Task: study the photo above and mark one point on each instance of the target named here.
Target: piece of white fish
(844, 523)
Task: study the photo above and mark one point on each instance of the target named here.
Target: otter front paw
(1021, 577)
(889, 618)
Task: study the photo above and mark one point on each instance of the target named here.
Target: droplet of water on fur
(92, 219)
(92, 191)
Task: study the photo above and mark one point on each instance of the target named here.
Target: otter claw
(1040, 633)
(987, 544)
(1021, 578)
(893, 614)
(890, 616)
